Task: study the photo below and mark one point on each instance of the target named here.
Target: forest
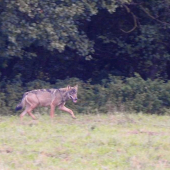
(117, 51)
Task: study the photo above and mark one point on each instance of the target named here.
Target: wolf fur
(48, 97)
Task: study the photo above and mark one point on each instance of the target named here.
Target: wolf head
(72, 93)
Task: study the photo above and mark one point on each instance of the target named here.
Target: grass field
(91, 142)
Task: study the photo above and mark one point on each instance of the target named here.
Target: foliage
(50, 24)
(135, 39)
(45, 39)
(36, 32)
(42, 41)
(113, 95)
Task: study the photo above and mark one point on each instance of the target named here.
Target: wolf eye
(73, 91)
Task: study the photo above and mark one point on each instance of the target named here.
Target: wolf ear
(76, 86)
(68, 87)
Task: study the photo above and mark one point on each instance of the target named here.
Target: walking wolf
(48, 97)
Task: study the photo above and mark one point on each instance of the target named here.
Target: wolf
(48, 97)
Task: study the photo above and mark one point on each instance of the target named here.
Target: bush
(113, 94)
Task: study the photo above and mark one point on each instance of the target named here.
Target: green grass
(91, 142)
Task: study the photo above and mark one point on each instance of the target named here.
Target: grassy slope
(91, 142)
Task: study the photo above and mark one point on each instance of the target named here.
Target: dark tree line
(55, 39)
(117, 51)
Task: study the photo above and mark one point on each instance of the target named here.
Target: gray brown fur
(48, 97)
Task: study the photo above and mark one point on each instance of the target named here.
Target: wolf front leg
(52, 110)
(63, 108)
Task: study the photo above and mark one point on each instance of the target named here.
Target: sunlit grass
(91, 142)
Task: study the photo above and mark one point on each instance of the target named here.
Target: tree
(51, 24)
(135, 39)
(30, 25)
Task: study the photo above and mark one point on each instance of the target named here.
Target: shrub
(113, 94)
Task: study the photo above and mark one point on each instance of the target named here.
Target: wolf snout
(75, 100)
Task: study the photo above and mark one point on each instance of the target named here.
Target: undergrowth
(111, 95)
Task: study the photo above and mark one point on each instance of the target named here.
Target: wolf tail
(21, 104)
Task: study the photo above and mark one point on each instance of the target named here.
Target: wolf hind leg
(22, 114)
(30, 112)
